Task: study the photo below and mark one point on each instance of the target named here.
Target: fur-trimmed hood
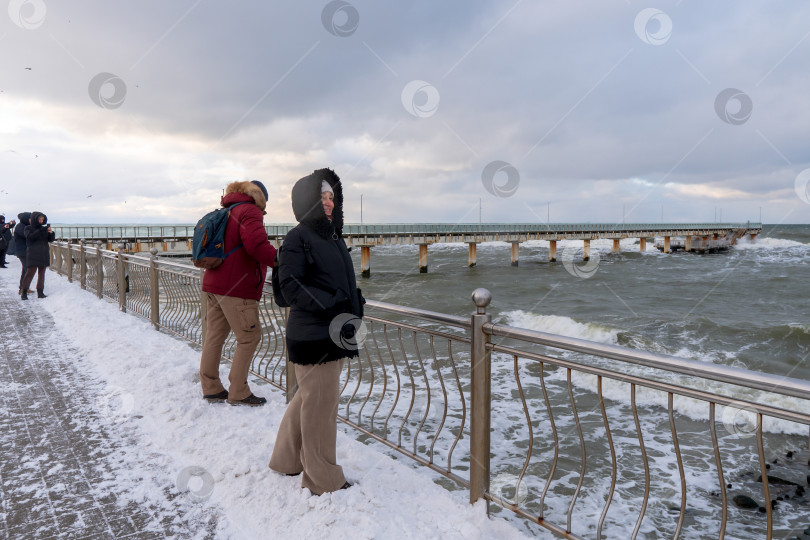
(307, 207)
(246, 188)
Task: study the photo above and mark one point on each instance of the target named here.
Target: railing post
(70, 264)
(480, 375)
(82, 265)
(121, 271)
(203, 305)
(57, 257)
(99, 270)
(154, 289)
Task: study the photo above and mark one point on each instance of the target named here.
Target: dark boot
(24, 295)
(41, 294)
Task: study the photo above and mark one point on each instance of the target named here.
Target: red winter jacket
(242, 274)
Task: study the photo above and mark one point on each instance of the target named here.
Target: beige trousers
(226, 313)
(307, 436)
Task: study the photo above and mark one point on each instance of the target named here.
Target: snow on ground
(216, 455)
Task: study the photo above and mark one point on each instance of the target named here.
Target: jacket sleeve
(297, 291)
(254, 237)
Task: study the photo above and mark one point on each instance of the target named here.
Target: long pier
(166, 237)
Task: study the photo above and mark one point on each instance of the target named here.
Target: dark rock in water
(767, 466)
(762, 509)
(775, 461)
(778, 481)
(744, 501)
(789, 454)
(728, 486)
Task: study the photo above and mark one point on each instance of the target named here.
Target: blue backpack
(208, 245)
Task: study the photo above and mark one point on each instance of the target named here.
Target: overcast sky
(433, 111)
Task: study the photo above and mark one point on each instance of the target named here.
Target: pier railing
(182, 232)
(581, 438)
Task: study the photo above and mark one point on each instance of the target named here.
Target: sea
(746, 307)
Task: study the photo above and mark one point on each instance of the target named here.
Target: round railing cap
(481, 297)
(153, 251)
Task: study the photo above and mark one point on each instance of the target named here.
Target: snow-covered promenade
(105, 435)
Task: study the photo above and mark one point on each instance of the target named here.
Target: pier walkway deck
(101, 417)
(165, 238)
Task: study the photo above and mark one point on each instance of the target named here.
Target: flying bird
(89, 196)
(29, 69)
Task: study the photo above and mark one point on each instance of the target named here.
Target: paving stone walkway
(60, 452)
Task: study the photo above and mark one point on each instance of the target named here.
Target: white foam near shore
(619, 392)
(148, 387)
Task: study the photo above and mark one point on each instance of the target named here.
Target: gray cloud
(589, 114)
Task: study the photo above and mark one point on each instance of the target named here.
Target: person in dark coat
(38, 234)
(232, 293)
(317, 280)
(6, 235)
(20, 244)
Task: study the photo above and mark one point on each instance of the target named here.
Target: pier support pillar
(365, 261)
(423, 259)
(687, 246)
(515, 253)
(552, 250)
(472, 254)
(615, 245)
(753, 236)
(586, 250)
(666, 245)
(642, 244)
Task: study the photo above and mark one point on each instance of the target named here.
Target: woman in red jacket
(233, 291)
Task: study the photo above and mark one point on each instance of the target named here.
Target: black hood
(34, 217)
(24, 217)
(2, 219)
(307, 207)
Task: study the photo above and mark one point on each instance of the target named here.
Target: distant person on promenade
(38, 234)
(317, 280)
(233, 291)
(20, 245)
(6, 235)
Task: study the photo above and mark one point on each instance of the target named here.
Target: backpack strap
(230, 209)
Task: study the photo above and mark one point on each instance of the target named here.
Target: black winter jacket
(19, 235)
(317, 278)
(37, 237)
(6, 234)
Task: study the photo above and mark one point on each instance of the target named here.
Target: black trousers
(29, 277)
(22, 271)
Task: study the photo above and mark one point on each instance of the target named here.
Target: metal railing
(182, 232)
(580, 438)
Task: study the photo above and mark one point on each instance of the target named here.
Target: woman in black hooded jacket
(20, 246)
(317, 280)
(38, 234)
